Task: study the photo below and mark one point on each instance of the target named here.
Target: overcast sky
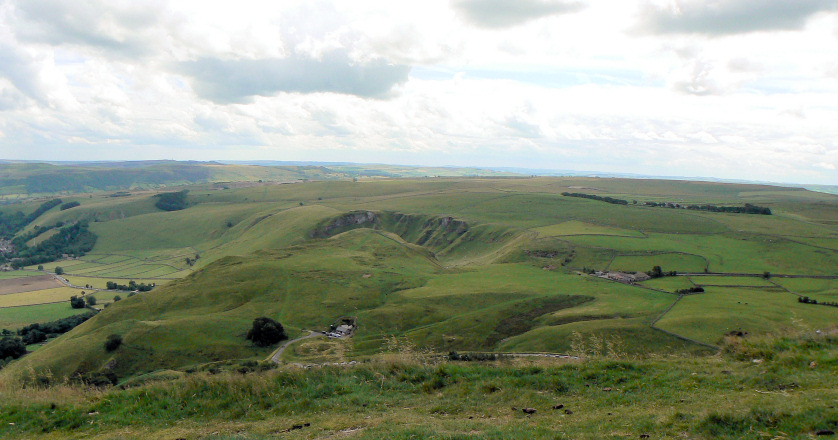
(716, 88)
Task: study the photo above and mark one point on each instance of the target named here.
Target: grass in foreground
(771, 387)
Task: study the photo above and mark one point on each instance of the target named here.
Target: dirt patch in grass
(28, 284)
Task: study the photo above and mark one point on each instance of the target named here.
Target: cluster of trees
(807, 300)
(39, 332)
(594, 197)
(75, 239)
(191, 261)
(171, 201)
(78, 302)
(69, 205)
(265, 331)
(11, 348)
(132, 285)
(691, 290)
(657, 272)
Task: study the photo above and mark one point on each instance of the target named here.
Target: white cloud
(503, 14)
(227, 81)
(727, 17)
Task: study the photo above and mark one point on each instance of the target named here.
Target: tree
(91, 300)
(113, 342)
(76, 302)
(59, 270)
(40, 267)
(116, 298)
(766, 274)
(265, 332)
(11, 347)
(656, 272)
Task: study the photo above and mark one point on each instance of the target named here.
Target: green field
(669, 284)
(721, 310)
(579, 228)
(709, 280)
(37, 297)
(17, 274)
(825, 290)
(101, 283)
(15, 317)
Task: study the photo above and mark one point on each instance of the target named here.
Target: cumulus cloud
(123, 27)
(728, 17)
(232, 81)
(504, 13)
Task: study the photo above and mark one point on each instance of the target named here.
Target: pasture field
(579, 228)
(738, 253)
(12, 318)
(17, 274)
(720, 310)
(667, 261)
(825, 290)
(669, 284)
(122, 266)
(54, 295)
(710, 280)
(101, 283)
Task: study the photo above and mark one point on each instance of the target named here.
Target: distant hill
(40, 178)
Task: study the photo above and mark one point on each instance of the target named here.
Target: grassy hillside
(448, 263)
(768, 387)
(32, 179)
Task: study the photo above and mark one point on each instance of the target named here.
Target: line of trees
(807, 300)
(747, 209)
(69, 205)
(39, 332)
(132, 285)
(691, 290)
(595, 197)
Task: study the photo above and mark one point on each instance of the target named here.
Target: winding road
(278, 353)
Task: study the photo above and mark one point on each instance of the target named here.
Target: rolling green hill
(450, 264)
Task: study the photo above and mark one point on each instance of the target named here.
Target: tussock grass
(409, 393)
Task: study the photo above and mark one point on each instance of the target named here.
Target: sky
(732, 89)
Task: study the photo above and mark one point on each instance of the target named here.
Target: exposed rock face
(432, 232)
(347, 221)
